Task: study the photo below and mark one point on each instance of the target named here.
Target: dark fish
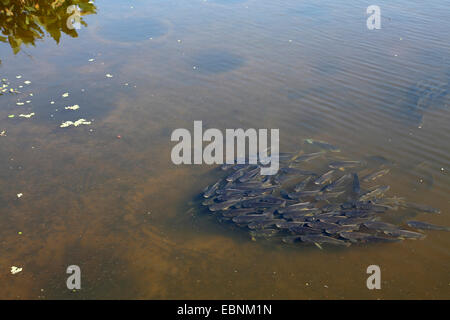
(236, 175)
(345, 164)
(223, 205)
(426, 226)
(237, 212)
(422, 208)
(301, 194)
(380, 226)
(323, 145)
(246, 219)
(211, 190)
(338, 182)
(263, 233)
(291, 239)
(374, 193)
(302, 213)
(263, 202)
(283, 224)
(325, 177)
(296, 207)
(338, 228)
(329, 195)
(320, 239)
(355, 236)
(249, 175)
(264, 223)
(310, 156)
(304, 230)
(302, 185)
(405, 234)
(356, 185)
(376, 175)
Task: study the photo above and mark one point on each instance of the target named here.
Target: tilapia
(308, 157)
(325, 177)
(323, 145)
(376, 175)
(374, 193)
(321, 239)
(345, 164)
(426, 226)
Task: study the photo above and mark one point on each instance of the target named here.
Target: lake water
(106, 196)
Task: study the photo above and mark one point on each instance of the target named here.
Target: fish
(296, 207)
(236, 175)
(422, 208)
(264, 223)
(301, 194)
(355, 236)
(375, 175)
(405, 234)
(211, 190)
(320, 239)
(304, 230)
(223, 205)
(264, 202)
(356, 186)
(283, 224)
(374, 193)
(308, 157)
(263, 233)
(323, 145)
(325, 177)
(238, 212)
(246, 219)
(380, 226)
(345, 164)
(302, 185)
(337, 183)
(302, 213)
(249, 175)
(329, 195)
(426, 226)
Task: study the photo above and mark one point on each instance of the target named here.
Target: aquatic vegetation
(27, 115)
(75, 124)
(74, 107)
(318, 207)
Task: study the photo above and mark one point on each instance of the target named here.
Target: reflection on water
(106, 196)
(24, 22)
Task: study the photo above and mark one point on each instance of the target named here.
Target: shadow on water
(26, 21)
(214, 61)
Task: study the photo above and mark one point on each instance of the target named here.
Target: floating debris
(65, 95)
(3, 133)
(74, 107)
(19, 195)
(27, 82)
(11, 116)
(27, 115)
(15, 270)
(324, 207)
(75, 124)
(91, 60)
(109, 75)
(20, 103)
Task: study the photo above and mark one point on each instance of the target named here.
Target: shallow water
(119, 208)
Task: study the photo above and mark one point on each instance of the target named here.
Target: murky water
(106, 196)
